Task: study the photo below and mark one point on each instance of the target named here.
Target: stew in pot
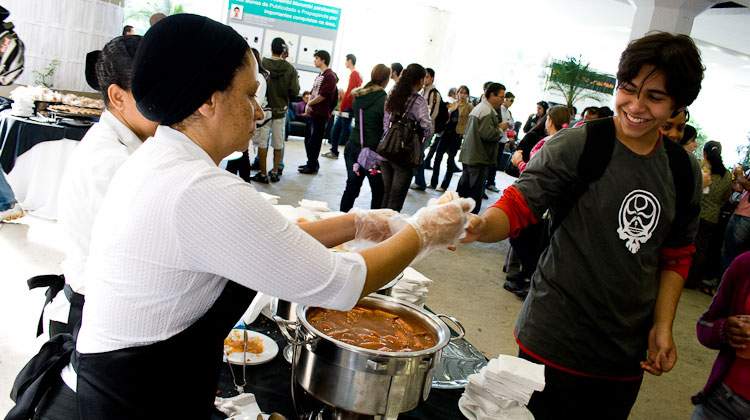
(372, 329)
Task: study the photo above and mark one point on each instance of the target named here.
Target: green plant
(701, 138)
(744, 153)
(44, 77)
(168, 7)
(575, 81)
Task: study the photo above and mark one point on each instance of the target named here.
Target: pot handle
(454, 321)
(284, 327)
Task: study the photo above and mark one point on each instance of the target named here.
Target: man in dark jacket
(324, 99)
(283, 86)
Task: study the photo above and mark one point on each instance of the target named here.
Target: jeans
(568, 396)
(396, 179)
(449, 143)
(736, 239)
(7, 198)
(314, 140)
(722, 403)
(471, 184)
(419, 172)
(341, 130)
(493, 172)
(354, 181)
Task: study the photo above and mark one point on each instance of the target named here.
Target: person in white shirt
(180, 246)
(105, 147)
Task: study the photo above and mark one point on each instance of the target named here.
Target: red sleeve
(677, 259)
(518, 212)
(355, 81)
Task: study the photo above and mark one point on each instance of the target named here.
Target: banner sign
(305, 27)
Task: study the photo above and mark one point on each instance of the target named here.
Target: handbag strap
(361, 136)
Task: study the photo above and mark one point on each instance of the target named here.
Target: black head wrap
(181, 61)
(90, 69)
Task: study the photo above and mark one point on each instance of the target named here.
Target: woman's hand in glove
(377, 225)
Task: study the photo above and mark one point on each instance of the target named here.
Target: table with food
(385, 358)
(37, 135)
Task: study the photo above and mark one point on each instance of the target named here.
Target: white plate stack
(502, 389)
(22, 107)
(412, 287)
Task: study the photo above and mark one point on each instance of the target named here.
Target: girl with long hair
(450, 141)
(404, 99)
(368, 111)
(715, 194)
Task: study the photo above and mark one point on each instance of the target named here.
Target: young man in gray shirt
(604, 295)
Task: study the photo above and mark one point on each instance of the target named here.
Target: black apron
(175, 378)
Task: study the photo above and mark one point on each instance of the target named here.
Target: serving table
(271, 385)
(35, 155)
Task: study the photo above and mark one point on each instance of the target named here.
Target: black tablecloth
(271, 384)
(17, 135)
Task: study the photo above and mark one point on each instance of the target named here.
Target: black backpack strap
(684, 181)
(597, 152)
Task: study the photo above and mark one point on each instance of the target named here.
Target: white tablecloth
(36, 176)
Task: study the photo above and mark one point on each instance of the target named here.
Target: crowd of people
(608, 219)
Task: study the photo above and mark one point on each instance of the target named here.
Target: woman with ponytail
(715, 194)
(404, 99)
(556, 119)
(105, 147)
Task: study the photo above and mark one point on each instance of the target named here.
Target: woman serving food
(180, 247)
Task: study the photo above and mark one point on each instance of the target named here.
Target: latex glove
(441, 226)
(374, 226)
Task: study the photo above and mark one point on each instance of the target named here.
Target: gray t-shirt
(591, 305)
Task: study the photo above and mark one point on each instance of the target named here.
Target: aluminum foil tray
(458, 360)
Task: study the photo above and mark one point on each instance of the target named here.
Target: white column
(674, 16)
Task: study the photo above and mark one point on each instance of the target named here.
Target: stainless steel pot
(361, 380)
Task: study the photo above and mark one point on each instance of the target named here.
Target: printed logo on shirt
(639, 215)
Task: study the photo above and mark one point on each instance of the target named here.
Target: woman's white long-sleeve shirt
(93, 164)
(174, 228)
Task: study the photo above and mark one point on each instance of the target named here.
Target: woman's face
(691, 146)
(237, 110)
(674, 128)
(463, 95)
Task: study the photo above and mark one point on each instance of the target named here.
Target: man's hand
(475, 229)
(503, 126)
(662, 353)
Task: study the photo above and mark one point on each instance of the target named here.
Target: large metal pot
(367, 381)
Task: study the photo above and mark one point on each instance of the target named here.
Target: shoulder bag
(368, 159)
(402, 143)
